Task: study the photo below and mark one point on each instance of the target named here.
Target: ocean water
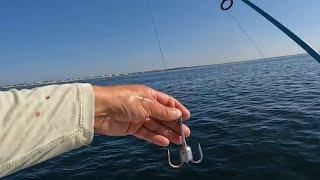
(255, 120)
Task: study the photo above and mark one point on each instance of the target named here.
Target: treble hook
(185, 150)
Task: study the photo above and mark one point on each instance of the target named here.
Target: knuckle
(166, 112)
(145, 110)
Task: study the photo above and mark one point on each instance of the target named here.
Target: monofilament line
(156, 34)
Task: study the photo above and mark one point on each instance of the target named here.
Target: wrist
(97, 91)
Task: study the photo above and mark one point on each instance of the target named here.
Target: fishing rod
(227, 4)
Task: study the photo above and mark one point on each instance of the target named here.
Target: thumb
(164, 113)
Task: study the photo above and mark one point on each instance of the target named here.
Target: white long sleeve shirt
(41, 123)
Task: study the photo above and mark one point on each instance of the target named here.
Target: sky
(51, 40)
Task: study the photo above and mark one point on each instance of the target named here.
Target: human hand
(139, 111)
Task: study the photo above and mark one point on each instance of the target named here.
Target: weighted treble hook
(185, 150)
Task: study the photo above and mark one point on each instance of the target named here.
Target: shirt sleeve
(41, 123)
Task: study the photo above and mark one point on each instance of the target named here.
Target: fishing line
(186, 154)
(156, 33)
(240, 26)
(246, 33)
(155, 29)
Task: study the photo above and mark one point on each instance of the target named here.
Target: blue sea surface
(255, 120)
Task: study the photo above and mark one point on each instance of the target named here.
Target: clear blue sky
(45, 39)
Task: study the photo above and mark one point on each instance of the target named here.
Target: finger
(165, 131)
(152, 137)
(176, 128)
(163, 113)
(167, 100)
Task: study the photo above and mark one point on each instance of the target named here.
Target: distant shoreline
(41, 83)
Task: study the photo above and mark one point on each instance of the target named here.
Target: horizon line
(89, 77)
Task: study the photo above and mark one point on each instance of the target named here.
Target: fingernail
(177, 113)
(165, 144)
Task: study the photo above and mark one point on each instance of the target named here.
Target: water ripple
(257, 119)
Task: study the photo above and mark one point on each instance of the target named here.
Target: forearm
(42, 123)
